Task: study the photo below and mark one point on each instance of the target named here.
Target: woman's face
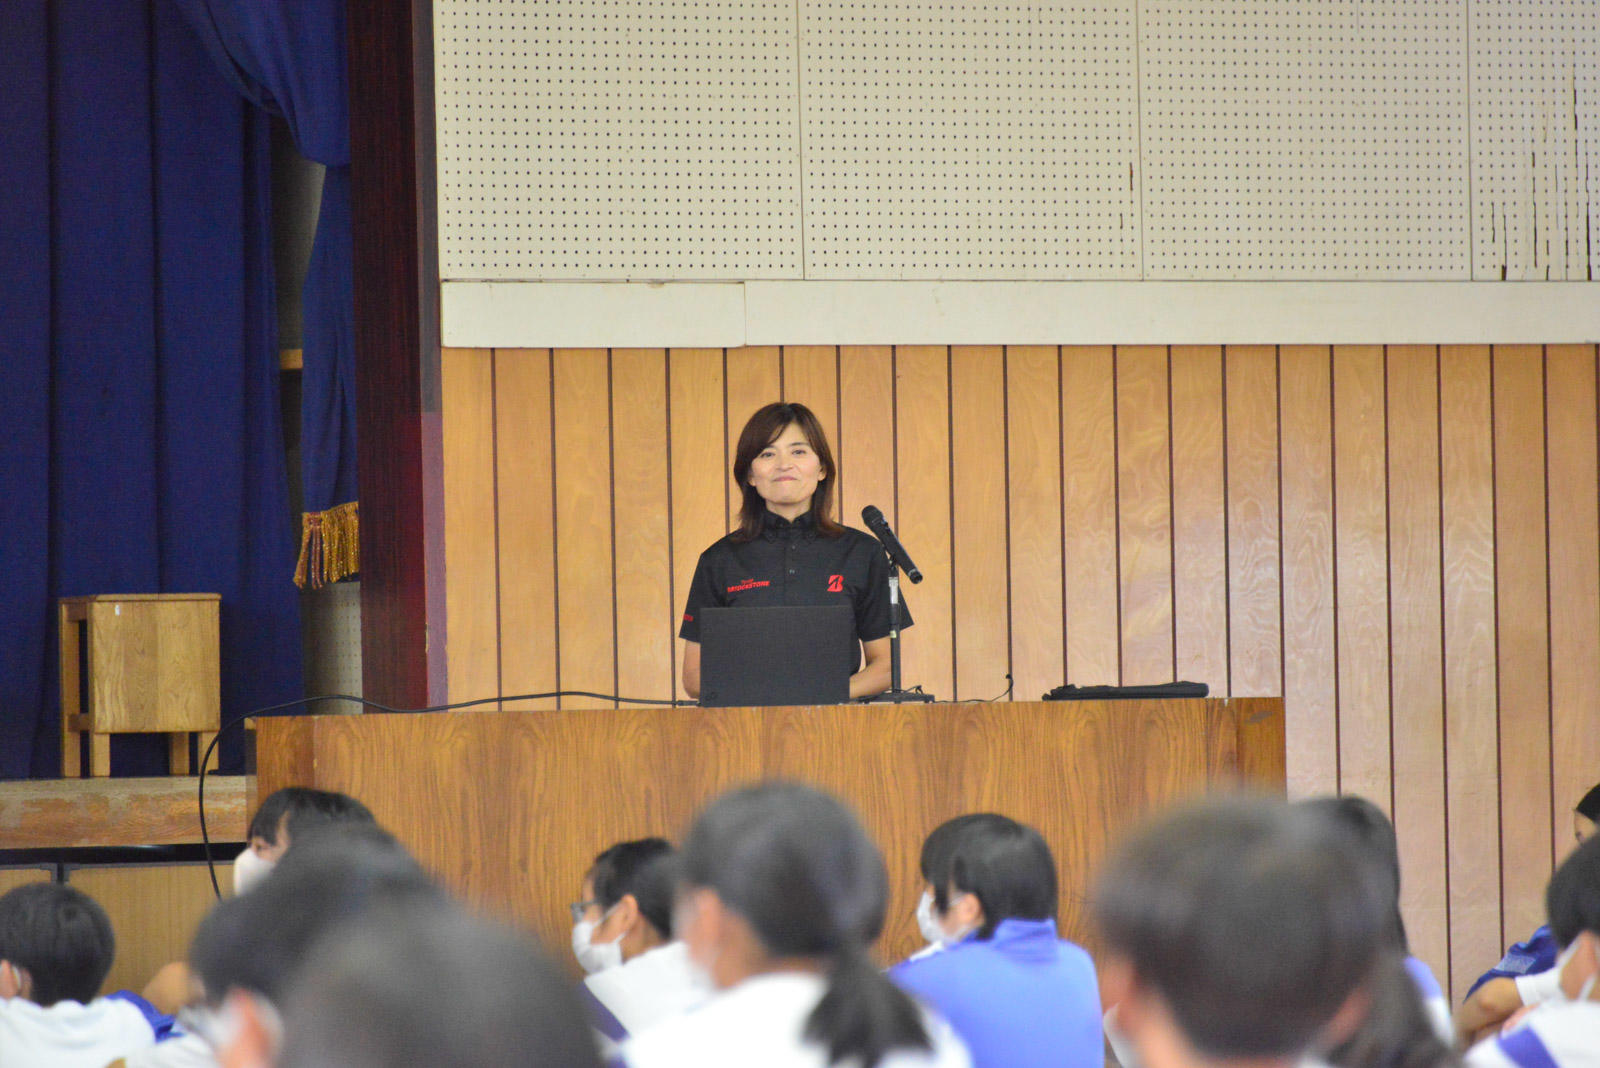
(786, 473)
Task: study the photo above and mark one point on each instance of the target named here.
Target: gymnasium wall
(1402, 541)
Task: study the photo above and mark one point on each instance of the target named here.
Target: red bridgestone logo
(749, 584)
(835, 583)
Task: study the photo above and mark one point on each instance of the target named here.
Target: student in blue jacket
(1015, 992)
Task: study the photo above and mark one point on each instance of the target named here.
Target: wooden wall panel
(1574, 582)
(922, 446)
(1310, 660)
(154, 911)
(1089, 489)
(1466, 464)
(1033, 458)
(1417, 641)
(646, 629)
(979, 553)
(1361, 565)
(1523, 636)
(584, 560)
(1144, 514)
(1199, 518)
(1389, 537)
(1255, 617)
(524, 444)
(471, 551)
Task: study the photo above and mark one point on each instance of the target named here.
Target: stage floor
(110, 813)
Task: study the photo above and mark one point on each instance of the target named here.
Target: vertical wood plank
(523, 419)
(1417, 648)
(1144, 513)
(1254, 619)
(1574, 583)
(584, 574)
(1310, 684)
(466, 397)
(646, 629)
(1199, 518)
(1522, 624)
(979, 554)
(700, 463)
(811, 377)
(1361, 572)
(922, 391)
(1033, 451)
(1466, 460)
(866, 432)
(753, 381)
(1089, 491)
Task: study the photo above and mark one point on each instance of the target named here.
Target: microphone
(897, 552)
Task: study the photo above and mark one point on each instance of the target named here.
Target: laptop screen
(785, 655)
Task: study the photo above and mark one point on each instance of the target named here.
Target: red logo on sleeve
(835, 583)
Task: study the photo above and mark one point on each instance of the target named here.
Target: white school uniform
(70, 1034)
(654, 986)
(1557, 1034)
(185, 1051)
(762, 1021)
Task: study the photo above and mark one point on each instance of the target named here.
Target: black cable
(991, 700)
(205, 758)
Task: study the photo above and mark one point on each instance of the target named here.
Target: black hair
(937, 848)
(1572, 900)
(255, 941)
(1375, 836)
(633, 868)
(304, 808)
(432, 985)
(1589, 806)
(1396, 1031)
(797, 866)
(61, 936)
(1008, 868)
(1253, 920)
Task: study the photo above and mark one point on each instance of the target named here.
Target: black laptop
(788, 655)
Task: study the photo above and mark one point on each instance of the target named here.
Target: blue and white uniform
(1021, 998)
(1557, 1034)
(70, 1034)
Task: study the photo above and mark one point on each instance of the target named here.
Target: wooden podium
(511, 807)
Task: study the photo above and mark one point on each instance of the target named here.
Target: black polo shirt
(791, 563)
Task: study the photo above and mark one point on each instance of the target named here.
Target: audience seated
(782, 893)
(1526, 975)
(934, 864)
(56, 948)
(623, 935)
(247, 951)
(1563, 1031)
(425, 985)
(284, 814)
(1375, 835)
(1015, 992)
(1238, 931)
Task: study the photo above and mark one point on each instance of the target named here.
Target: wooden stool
(146, 663)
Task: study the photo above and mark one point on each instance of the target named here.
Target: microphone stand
(894, 694)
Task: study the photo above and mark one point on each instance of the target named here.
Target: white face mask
(594, 956)
(249, 868)
(932, 933)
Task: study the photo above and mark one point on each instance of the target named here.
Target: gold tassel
(330, 545)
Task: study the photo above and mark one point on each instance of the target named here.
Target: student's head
(783, 462)
(1374, 835)
(285, 813)
(423, 985)
(1572, 902)
(1238, 928)
(934, 866)
(1397, 1031)
(1587, 814)
(55, 944)
(999, 870)
(782, 876)
(626, 907)
(247, 951)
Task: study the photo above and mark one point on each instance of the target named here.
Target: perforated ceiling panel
(610, 140)
(1304, 138)
(970, 140)
(1535, 168)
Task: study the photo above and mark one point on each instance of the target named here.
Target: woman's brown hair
(762, 430)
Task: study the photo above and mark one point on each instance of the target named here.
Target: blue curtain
(139, 387)
(288, 58)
